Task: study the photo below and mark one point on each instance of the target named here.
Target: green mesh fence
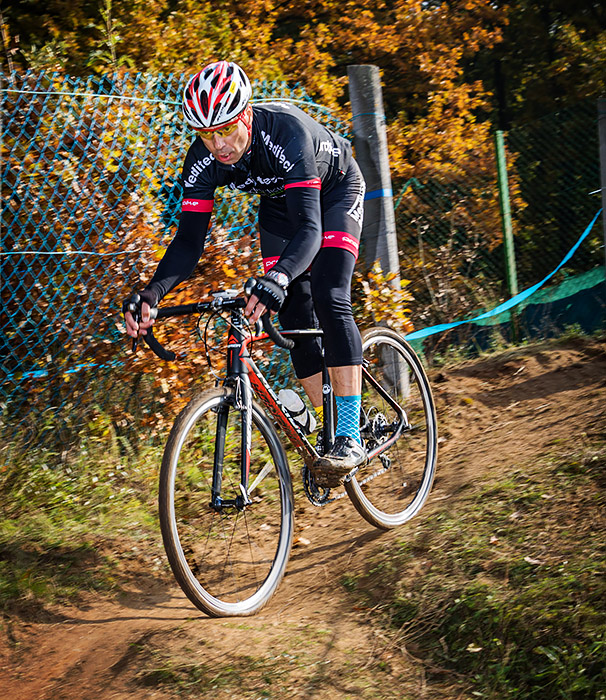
(90, 166)
(555, 164)
(450, 228)
(449, 238)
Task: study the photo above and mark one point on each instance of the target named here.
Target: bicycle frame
(242, 368)
(226, 499)
(247, 379)
(245, 375)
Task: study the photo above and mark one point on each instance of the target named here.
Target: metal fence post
(370, 142)
(504, 204)
(602, 137)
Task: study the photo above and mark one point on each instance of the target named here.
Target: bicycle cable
(204, 337)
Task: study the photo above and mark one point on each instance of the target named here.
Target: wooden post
(370, 143)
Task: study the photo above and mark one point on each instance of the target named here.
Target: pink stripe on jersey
(202, 205)
(340, 239)
(268, 263)
(316, 183)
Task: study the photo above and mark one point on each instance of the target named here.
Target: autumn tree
(553, 55)
(435, 125)
(437, 60)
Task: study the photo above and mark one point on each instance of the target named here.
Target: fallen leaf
(530, 560)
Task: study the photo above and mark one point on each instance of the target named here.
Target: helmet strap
(247, 122)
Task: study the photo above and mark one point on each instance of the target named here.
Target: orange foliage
(437, 120)
(437, 126)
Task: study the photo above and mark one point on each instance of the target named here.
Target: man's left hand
(266, 295)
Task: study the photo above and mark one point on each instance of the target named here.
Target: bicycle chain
(312, 491)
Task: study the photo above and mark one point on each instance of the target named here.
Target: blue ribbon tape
(376, 194)
(510, 303)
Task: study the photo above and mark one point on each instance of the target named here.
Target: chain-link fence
(90, 169)
(450, 230)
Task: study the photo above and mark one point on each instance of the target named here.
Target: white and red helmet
(216, 95)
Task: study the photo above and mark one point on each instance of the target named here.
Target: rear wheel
(228, 559)
(398, 426)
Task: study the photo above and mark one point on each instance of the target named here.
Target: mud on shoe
(346, 454)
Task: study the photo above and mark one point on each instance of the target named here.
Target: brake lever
(153, 314)
(135, 342)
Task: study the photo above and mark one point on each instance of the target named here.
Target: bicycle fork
(238, 378)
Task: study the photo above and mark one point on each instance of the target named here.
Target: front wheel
(399, 429)
(228, 557)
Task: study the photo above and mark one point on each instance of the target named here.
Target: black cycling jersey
(292, 162)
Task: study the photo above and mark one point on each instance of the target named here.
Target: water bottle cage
(297, 410)
(295, 413)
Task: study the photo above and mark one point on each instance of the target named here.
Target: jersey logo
(196, 169)
(278, 152)
(201, 205)
(328, 147)
(340, 239)
(357, 210)
(268, 263)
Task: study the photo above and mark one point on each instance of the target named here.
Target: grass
(196, 678)
(292, 663)
(501, 596)
(512, 591)
(62, 513)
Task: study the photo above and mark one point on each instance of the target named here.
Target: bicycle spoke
(399, 429)
(227, 557)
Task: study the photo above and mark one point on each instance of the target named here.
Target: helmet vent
(204, 103)
(216, 95)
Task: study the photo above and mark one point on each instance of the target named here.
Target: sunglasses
(221, 131)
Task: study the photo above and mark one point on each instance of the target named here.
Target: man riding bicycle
(310, 220)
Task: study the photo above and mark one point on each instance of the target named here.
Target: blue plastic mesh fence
(90, 169)
(88, 166)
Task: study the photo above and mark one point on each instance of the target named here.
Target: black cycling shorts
(321, 296)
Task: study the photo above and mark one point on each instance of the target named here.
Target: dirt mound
(310, 641)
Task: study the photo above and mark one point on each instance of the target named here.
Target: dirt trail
(493, 413)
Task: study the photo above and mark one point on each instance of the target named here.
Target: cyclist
(310, 218)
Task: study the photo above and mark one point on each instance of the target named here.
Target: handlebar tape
(275, 335)
(154, 344)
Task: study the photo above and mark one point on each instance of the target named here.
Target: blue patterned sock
(348, 416)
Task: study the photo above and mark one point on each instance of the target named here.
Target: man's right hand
(139, 313)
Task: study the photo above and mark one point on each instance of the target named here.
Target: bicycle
(225, 493)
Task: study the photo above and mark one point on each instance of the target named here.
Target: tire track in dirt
(493, 413)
